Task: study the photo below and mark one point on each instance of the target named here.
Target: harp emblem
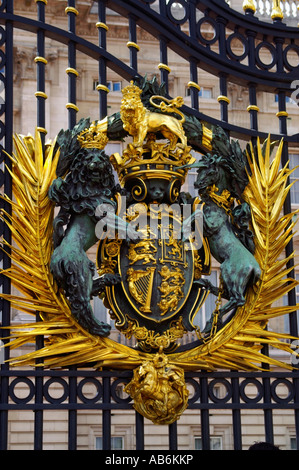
(140, 285)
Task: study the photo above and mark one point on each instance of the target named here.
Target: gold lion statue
(138, 121)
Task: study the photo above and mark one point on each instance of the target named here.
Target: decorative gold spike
(249, 5)
(276, 10)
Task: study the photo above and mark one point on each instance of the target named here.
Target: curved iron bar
(189, 47)
(182, 44)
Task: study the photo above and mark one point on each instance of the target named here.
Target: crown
(92, 137)
(131, 91)
(152, 160)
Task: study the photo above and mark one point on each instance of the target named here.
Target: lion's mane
(88, 183)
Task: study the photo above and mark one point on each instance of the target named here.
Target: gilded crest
(154, 248)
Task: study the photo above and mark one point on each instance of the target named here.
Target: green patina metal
(85, 181)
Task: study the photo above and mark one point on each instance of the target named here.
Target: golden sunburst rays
(30, 222)
(237, 345)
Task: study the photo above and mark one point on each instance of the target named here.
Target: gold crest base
(159, 390)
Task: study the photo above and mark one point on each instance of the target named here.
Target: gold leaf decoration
(237, 345)
(30, 222)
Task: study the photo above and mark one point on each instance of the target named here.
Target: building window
(114, 86)
(204, 92)
(215, 443)
(117, 443)
(111, 85)
(293, 443)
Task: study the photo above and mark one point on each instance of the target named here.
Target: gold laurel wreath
(237, 346)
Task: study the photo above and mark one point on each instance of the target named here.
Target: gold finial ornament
(249, 5)
(276, 10)
(93, 137)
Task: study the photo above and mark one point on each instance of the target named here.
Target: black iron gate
(178, 26)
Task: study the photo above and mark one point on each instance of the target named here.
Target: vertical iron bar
(106, 416)
(293, 320)
(173, 436)
(222, 35)
(296, 400)
(102, 86)
(251, 35)
(163, 66)
(192, 84)
(162, 6)
(205, 421)
(41, 124)
(132, 44)
(192, 18)
(72, 12)
(223, 99)
(4, 384)
(40, 70)
(268, 416)
(279, 49)
(38, 414)
(237, 428)
(282, 115)
(253, 108)
(72, 424)
(139, 421)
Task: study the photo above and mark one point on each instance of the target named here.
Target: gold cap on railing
(249, 5)
(276, 10)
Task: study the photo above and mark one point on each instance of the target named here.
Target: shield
(157, 272)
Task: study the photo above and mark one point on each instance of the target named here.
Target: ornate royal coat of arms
(154, 247)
